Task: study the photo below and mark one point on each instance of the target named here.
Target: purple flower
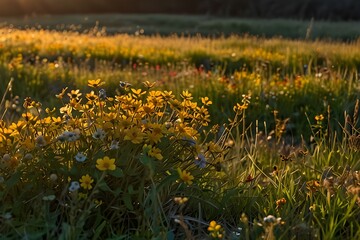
(200, 161)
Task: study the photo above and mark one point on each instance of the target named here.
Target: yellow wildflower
(74, 94)
(156, 153)
(155, 135)
(206, 101)
(319, 118)
(105, 163)
(180, 200)
(186, 177)
(168, 95)
(95, 83)
(86, 181)
(240, 107)
(215, 230)
(186, 95)
(137, 92)
(61, 95)
(91, 97)
(134, 135)
(149, 84)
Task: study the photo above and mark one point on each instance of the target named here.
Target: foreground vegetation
(177, 137)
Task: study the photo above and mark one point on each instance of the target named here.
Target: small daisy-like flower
(74, 94)
(63, 137)
(114, 145)
(74, 186)
(6, 216)
(28, 156)
(272, 220)
(186, 177)
(99, 134)
(105, 163)
(91, 97)
(156, 153)
(124, 84)
(102, 94)
(86, 181)
(95, 83)
(6, 157)
(69, 136)
(149, 84)
(206, 101)
(134, 134)
(319, 118)
(40, 141)
(82, 196)
(74, 135)
(80, 157)
(53, 177)
(186, 95)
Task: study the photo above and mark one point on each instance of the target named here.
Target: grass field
(133, 136)
(209, 26)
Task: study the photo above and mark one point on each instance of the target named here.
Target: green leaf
(98, 230)
(167, 181)
(170, 235)
(104, 187)
(131, 189)
(74, 171)
(127, 201)
(49, 198)
(144, 159)
(65, 231)
(148, 162)
(117, 191)
(118, 172)
(13, 180)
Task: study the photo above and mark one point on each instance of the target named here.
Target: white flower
(271, 220)
(74, 186)
(63, 137)
(99, 134)
(102, 94)
(28, 156)
(40, 141)
(80, 157)
(74, 135)
(69, 136)
(114, 145)
(53, 177)
(6, 157)
(7, 216)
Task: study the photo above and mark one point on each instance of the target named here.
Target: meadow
(131, 136)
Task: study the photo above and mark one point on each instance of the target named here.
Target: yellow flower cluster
(216, 231)
(111, 129)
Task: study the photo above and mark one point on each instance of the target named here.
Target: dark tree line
(296, 9)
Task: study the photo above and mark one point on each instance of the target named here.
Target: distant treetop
(294, 9)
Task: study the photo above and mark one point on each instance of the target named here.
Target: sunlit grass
(177, 137)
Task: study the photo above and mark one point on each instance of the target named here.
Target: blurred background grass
(206, 25)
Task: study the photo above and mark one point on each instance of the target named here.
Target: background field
(274, 149)
(211, 26)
